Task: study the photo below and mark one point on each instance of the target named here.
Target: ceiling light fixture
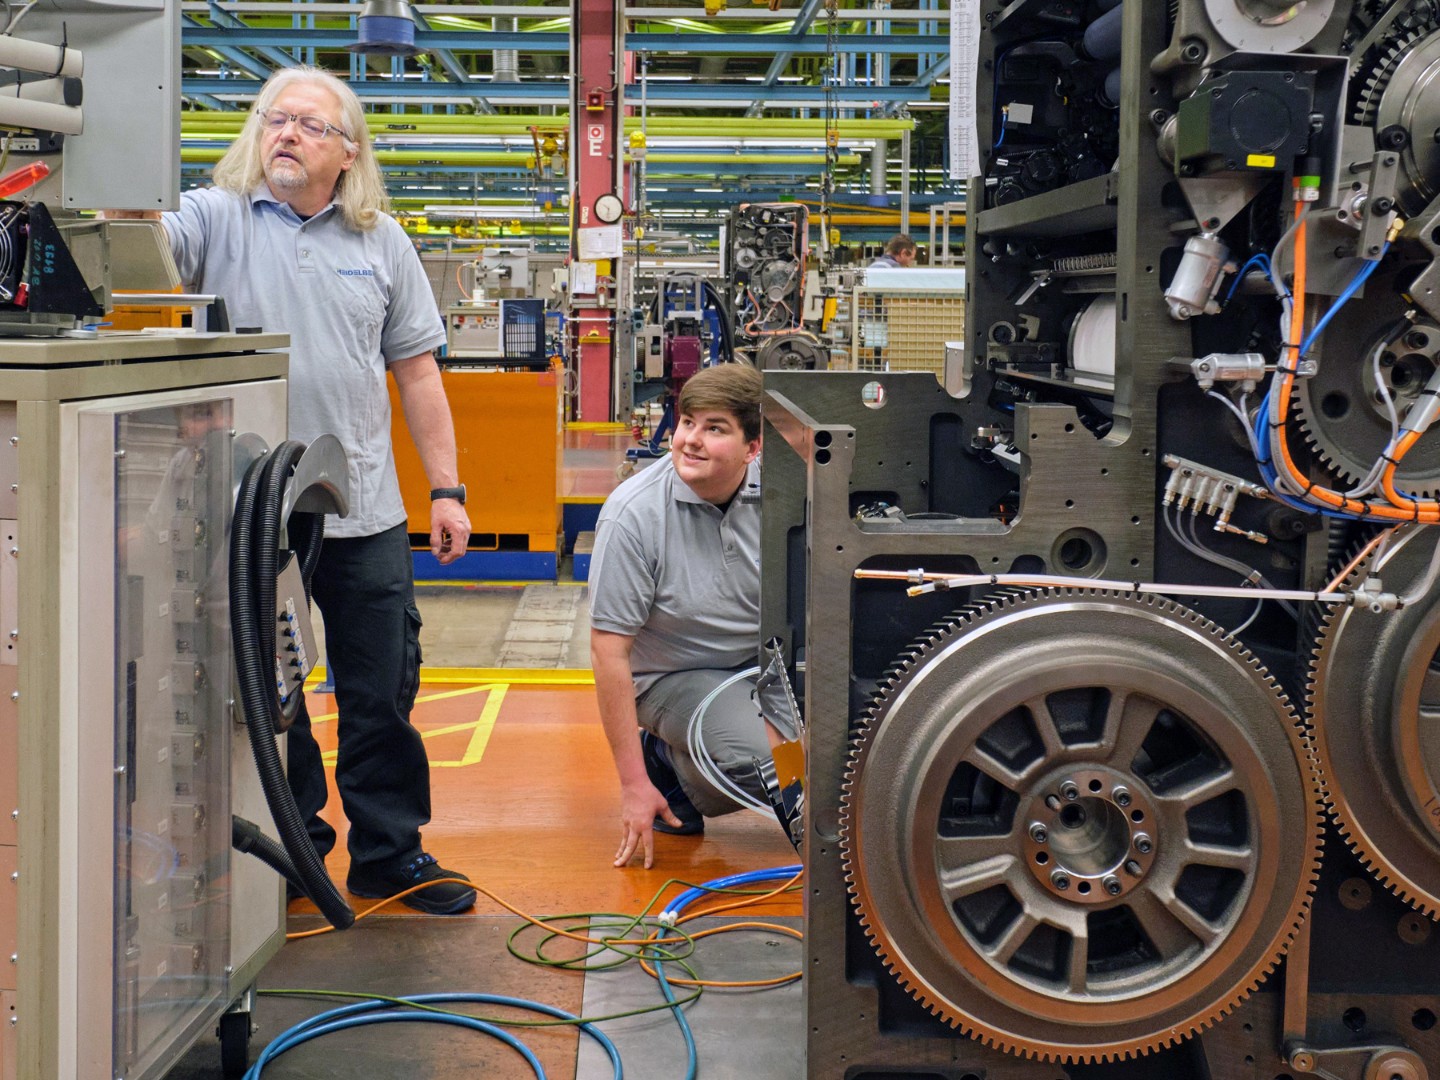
(386, 28)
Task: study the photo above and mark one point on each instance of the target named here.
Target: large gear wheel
(1397, 89)
(1340, 411)
(1080, 826)
(1371, 81)
(1375, 704)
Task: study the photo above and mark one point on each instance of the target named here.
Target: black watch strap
(456, 493)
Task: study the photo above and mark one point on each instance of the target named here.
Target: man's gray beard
(288, 174)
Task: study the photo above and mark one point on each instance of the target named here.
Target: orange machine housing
(507, 433)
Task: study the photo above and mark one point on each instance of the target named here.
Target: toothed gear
(1396, 89)
(1376, 77)
(1080, 825)
(1374, 700)
(1338, 408)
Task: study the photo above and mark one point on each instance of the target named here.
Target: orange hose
(1402, 507)
(1339, 578)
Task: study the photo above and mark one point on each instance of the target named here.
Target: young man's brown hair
(732, 388)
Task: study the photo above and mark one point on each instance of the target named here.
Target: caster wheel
(624, 469)
(235, 1030)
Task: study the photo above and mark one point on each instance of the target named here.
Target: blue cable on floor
(692, 1056)
(669, 916)
(365, 1012)
(734, 881)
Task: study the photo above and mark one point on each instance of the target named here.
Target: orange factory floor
(526, 803)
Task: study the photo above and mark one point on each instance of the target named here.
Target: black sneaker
(378, 882)
(662, 775)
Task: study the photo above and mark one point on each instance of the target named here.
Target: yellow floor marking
(479, 737)
(509, 676)
(324, 718)
(479, 729)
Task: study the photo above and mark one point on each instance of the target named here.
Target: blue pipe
(365, 1012)
(734, 881)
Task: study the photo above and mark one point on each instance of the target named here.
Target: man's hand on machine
(639, 806)
(449, 530)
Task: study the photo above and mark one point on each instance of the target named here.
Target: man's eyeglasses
(313, 126)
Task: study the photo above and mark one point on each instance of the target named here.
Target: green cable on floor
(627, 925)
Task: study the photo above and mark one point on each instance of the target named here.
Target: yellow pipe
(520, 159)
(520, 124)
(501, 158)
(722, 157)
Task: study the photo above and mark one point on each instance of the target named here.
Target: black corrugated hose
(727, 331)
(254, 562)
(247, 837)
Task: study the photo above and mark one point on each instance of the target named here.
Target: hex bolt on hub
(1081, 826)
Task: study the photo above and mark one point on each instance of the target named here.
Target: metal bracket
(1379, 213)
(1425, 289)
(1374, 1062)
(321, 483)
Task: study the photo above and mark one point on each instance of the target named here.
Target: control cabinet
(127, 924)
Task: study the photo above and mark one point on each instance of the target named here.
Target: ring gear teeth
(1349, 442)
(914, 737)
(1375, 80)
(1371, 675)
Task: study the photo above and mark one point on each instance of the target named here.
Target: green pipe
(520, 124)
(524, 159)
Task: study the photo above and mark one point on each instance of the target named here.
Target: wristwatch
(456, 493)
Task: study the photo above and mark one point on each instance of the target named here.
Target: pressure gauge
(609, 208)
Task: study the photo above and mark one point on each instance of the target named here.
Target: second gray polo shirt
(676, 574)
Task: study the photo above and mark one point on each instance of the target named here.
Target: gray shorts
(732, 733)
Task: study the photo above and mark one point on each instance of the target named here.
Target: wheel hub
(1091, 834)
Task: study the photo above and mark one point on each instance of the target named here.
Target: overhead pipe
(506, 62)
(877, 167)
(526, 159)
(560, 13)
(520, 124)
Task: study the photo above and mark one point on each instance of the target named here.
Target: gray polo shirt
(672, 571)
(352, 303)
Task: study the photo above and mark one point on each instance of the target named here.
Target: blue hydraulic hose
(1340, 301)
(365, 1013)
(310, 1029)
(1267, 468)
(734, 881)
(1259, 260)
(692, 1057)
(669, 916)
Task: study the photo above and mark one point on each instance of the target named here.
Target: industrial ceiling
(734, 104)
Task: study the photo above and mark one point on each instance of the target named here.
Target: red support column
(597, 49)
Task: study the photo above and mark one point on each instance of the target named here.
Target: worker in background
(675, 614)
(295, 237)
(899, 251)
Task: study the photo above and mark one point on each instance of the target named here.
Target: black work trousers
(365, 589)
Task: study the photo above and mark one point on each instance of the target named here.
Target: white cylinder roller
(1092, 339)
(39, 57)
(40, 115)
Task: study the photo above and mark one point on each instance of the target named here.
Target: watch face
(609, 208)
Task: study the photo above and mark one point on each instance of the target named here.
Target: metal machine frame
(1043, 467)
